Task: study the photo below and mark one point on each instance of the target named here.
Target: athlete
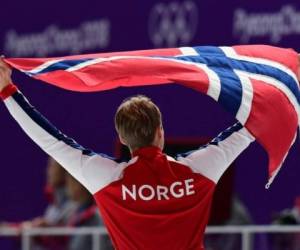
(153, 201)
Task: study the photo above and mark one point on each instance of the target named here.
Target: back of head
(137, 120)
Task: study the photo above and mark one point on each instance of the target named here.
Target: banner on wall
(89, 35)
(274, 26)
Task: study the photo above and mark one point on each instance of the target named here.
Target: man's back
(158, 203)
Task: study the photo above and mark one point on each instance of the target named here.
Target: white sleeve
(214, 158)
(92, 170)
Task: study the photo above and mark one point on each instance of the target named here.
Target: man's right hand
(5, 74)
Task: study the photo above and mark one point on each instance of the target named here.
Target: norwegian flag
(255, 83)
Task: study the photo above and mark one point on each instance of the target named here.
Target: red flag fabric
(257, 84)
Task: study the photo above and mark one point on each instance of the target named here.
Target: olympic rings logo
(173, 24)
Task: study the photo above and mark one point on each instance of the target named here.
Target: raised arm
(212, 159)
(94, 171)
